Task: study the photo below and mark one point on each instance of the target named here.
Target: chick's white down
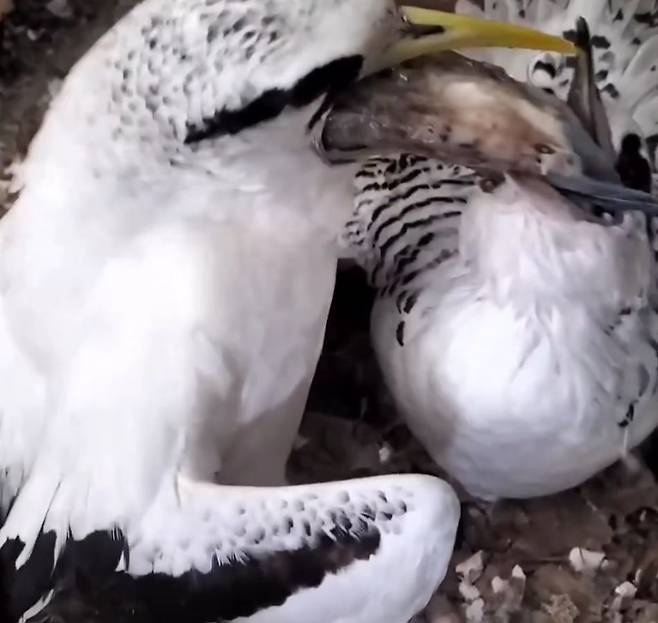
(518, 335)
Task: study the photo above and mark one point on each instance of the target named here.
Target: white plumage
(165, 277)
(519, 338)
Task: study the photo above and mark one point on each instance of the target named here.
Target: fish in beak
(459, 110)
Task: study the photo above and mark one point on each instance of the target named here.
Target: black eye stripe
(273, 102)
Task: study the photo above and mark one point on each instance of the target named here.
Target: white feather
(163, 304)
(517, 337)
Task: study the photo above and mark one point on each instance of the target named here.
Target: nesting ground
(583, 556)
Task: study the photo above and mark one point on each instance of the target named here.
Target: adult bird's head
(221, 89)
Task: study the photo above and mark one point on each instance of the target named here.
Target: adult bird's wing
(137, 498)
(22, 400)
(207, 552)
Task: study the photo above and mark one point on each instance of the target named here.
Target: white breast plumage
(519, 340)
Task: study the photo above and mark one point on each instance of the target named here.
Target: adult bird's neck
(76, 212)
(267, 176)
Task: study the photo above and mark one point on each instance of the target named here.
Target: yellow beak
(449, 31)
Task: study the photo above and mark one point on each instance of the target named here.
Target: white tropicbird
(519, 334)
(165, 277)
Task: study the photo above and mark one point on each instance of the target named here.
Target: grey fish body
(473, 114)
